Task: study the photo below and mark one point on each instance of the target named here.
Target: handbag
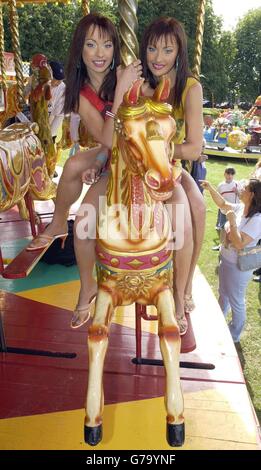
(249, 258)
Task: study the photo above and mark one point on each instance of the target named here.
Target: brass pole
(199, 38)
(127, 28)
(2, 48)
(85, 7)
(17, 51)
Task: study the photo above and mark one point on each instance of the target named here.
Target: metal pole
(85, 7)
(127, 29)
(14, 24)
(199, 38)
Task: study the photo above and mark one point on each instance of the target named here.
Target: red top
(99, 104)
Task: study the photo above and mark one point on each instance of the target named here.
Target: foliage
(49, 28)
(246, 71)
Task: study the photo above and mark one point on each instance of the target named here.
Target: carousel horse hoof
(176, 434)
(82, 314)
(42, 241)
(93, 435)
(189, 304)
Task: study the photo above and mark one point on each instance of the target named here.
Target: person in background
(56, 103)
(199, 170)
(242, 230)
(229, 190)
(257, 174)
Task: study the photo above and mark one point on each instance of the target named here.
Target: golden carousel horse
(39, 97)
(134, 258)
(22, 167)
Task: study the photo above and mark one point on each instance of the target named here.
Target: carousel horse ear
(39, 60)
(133, 94)
(163, 89)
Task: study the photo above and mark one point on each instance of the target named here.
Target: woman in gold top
(164, 52)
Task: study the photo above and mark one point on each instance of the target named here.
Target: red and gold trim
(133, 261)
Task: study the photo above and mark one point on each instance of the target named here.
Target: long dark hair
(254, 186)
(167, 27)
(76, 73)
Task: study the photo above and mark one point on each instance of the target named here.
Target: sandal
(183, 325)
(82, 314)
(189, 304)
(43, 241)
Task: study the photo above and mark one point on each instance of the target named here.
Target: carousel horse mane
(39, 96)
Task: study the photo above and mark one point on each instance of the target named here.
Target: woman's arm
(217, 198)
(101, 130)
(192, 148)
(238, 239)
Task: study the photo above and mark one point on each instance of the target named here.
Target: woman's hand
(127, 75)
(92, 175)
(205, 184)
(203, 157)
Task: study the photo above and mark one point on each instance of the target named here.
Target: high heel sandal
(82, 314)
(183, 325)
(189, 304)
(47, 240)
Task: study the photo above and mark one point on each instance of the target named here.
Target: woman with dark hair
(164, 52)
(243, 230)
(95, 85)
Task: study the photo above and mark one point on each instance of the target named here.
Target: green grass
(249, 350)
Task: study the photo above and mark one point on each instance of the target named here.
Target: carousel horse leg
(97, 347)
(170, 350)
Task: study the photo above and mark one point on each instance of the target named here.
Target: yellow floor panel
(141, 425)
(63, 295)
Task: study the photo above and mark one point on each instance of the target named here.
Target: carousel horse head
(42, 74)
(144, 129)
(137, 269)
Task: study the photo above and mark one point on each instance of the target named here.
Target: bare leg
(84, 245)
(183, 255)
(198, 212)
(69, 190)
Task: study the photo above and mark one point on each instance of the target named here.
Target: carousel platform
(42, 395)
(231, 153)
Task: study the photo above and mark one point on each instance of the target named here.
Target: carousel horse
(39, 96)
(134, 258)
(22, 167)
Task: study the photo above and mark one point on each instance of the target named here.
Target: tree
(246, 70)
(49, 28)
